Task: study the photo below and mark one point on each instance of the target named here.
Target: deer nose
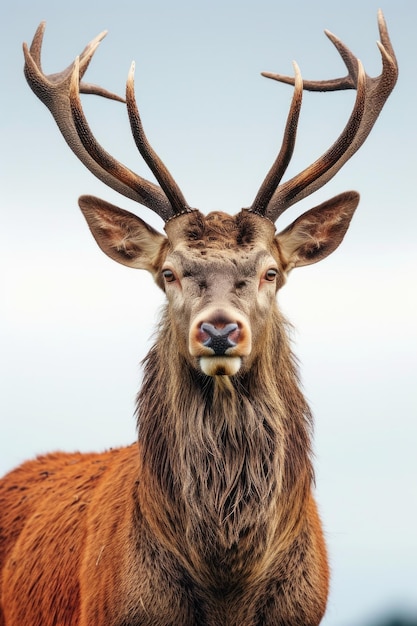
(219, 339)
(217, 333)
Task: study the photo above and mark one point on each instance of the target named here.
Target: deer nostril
(219, 339)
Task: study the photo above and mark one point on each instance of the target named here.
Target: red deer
(209, 519)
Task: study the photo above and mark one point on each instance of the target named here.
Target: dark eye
(168, 275)
(271, 275)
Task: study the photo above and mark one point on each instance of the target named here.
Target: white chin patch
(220, 365)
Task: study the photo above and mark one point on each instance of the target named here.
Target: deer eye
(271, 274)
(168, 275)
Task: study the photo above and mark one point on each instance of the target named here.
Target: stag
(209, 519)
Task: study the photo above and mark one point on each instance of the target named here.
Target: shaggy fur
(117, 538)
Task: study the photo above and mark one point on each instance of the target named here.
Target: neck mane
(226, 459)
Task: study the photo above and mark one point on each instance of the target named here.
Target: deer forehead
(219, 235)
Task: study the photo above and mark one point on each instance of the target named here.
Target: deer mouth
(220, 365)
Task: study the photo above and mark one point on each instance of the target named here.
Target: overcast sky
(74, 325)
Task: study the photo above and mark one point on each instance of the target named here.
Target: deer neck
(221, 456)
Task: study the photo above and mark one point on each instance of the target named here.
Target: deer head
(220, 273)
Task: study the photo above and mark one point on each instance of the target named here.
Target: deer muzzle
(220, 339)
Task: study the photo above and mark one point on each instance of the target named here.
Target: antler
(273, 199)
(60, 93)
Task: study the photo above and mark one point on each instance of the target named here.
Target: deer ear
(315, 234)
(124, 237)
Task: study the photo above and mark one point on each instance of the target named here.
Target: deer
(209, 518)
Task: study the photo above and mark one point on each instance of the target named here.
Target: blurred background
(74, 326)
(393, 620)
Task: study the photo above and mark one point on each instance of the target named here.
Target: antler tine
(277, 171)
(334, 84)
(33, 64)
(54, 91)
(163, 176)
(372, 94)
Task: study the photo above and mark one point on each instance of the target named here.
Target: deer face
(220, 276)
(220, 273)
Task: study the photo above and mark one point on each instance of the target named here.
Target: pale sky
(75, 326)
